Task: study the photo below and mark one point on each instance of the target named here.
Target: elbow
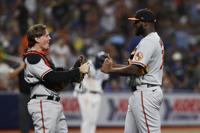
(139, 74)
(138, 71)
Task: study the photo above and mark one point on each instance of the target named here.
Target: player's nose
(49, 37)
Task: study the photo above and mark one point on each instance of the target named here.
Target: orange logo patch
(139, 56)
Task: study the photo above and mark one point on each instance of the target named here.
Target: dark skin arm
(122, 70)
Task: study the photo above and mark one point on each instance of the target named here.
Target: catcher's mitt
(81, 60)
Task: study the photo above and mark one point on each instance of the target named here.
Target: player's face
(44, 41)
(139, 29)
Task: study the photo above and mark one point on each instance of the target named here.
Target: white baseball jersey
(149, 54)
(34, 73)
(143, 114)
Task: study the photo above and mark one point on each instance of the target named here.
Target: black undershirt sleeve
(62, 76)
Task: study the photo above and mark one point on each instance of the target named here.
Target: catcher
(45, 80)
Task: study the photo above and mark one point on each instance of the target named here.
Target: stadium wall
(177, 110)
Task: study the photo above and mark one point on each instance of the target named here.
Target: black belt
(85, 91)
(54, 98)
(151, 85)
(148, 86)
(94, 92)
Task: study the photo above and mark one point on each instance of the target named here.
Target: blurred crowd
(88, 26)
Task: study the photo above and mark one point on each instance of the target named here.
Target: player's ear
(37, 39)
(145, 24)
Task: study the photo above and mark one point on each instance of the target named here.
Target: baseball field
(120, 130)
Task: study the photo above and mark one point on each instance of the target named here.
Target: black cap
(144, 15)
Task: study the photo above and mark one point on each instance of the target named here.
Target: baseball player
(145, 69)
(89, 94)
(44, 106)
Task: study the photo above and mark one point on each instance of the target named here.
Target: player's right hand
(107, 65)
(110, 59)
(84, 68)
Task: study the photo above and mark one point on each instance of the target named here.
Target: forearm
(62, 76)
(127, 70)
(118, 65)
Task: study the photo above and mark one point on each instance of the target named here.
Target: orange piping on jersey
(41, 109)
(163, 53)
(42, 54)
(45, 73)
(145, 115)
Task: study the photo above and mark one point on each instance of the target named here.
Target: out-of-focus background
(88, 26)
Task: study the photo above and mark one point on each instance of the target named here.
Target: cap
(144, 15)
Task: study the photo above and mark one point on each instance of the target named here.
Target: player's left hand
(83, 66)
(81, 60)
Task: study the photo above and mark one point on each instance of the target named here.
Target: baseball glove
(81, 60)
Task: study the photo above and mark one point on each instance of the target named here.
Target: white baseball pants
(48, 116)
(143, 115)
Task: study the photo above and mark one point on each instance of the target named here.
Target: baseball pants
(143, 114)
(90, 105)
(48, 116)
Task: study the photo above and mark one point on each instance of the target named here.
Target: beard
(140, 31)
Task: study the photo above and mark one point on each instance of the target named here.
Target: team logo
(133, 53)
(139, 56)
(131, 56)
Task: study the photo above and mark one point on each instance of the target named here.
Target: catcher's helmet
(99, 59)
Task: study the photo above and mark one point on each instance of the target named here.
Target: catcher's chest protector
(32, 52)
(51, 65)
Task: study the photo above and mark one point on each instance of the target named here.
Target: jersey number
(162, 47)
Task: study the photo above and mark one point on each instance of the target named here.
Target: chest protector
(52, 86)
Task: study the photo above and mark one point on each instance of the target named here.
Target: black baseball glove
(81, 60)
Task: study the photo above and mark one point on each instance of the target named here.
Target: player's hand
(81, 60)
(107, 65)
(110, 59)
(84, 68)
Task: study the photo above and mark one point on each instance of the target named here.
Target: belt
(53, 98)
(85, 91)
(151, 85)
(94, 92)
(148, 86)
